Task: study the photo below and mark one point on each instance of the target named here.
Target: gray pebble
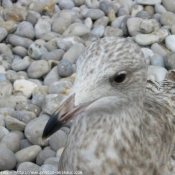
(79, 2)
(149, 2)
(6, 3)
(28, 154)
(73, 53)
(20, 134)
(7, 160)
(3, 132)
(51, 103)
(20, 64)
(21, 51)
(169, 5)
(5, 89)
(62, 44)
(43, 155)
(25, 29)
(12, 76)
(89, 38)
(38, 69)
(170, 61)
(170, 43)
(7, 111)
(13, 124)
(51, 77)
(47, 167)
(94, 14)
(4, 49)
(106, 6)
(167, 18)
(11, 141)
(157, 60)
(112, 31)
(98, 31)
(159, 49)
(53, 55)
(143, 15)
(3, 78)
(58, 140)
(66, 4)
(123, 10)
(24, 143)
(36, 81)
(51, 45)
(22, 74)
(3, 34)
(34, 133)
(29, 168)
(33, 17)
(19, 41)
(103, 21)
(66, 130)
(38, 100)
(159, 8)
(36, 50)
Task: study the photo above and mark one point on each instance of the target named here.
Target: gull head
(108, 67)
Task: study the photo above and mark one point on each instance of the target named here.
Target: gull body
(118, 128)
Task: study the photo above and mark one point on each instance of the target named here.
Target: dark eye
(120, 77)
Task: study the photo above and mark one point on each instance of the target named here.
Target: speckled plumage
(125, 131)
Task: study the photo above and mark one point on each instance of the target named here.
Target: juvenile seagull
(119, 129)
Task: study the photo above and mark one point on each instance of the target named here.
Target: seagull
(118, 128)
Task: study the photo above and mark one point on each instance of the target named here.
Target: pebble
(98, 31)
(143, 15)
(20, 134)
(76, 29)
(3, 131)
(58, 140)
(123, 10)
(170, 43)
(5, 89)
(11, 141)
(159, 8)
(156, 73)
(24, 143)
(103, 21)
(62, 44)
(148, 2)
(51, 45)
(13, 124)
(38, 69)
(66, 4)
(28, 154)
(21, 51)
(6, 3)
(157, 60)
(159, 49)
(7, 160)
(4, 49)
(169, 5)
(52, 161)
(3, 34)
(24, 86)
(28, 168)
(94, 14)
(33, 17)
(170, 61)
(167, 18)
(73, 53)
(43, 155)
(34, 133)
(10, 26)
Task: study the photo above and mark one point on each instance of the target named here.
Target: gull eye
(120, 77)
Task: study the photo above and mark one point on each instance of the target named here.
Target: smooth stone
(11, 141)
(42, 27)
(8, 160)
(169, 5)
(133, 25)
(74, 52)
(58, 140)
(167, 18)
(6, 3)
(21, 64)
(10, 26)
(38, 100)
(52, 161)
(79, 2)
(25, 116)
(14, 14)
(98, 31)
(51, 103)
(170, 61)
(149, 9)
(7, 111)
(159, 49)
(123, 10)
(19, 41)
(106, 6)
(88, 22)
(143, 15)
(89, 38)
(3, 34)
(2, 73)
(33, 17)
(53, 55)
(28, 154)
(103, 21)
(20, 134)
(51, 45)
(147, 54)
(28, 168)
(4, 49)
(157, 60)
(60, 87)
(112, 31)
(66, 130)
(38, 69)
(13, 124)
(94, 14)
(5, 89)
(170, 43)
(25, 29)
(52, 77)
(24, 143)
(73, 40)
(76, 29)
(49, 9)
(49, 36)
(65, 68)
(62, 44)
(48, 168)
(36, 50)
(34, 133)
(21, 51)
(3, 131)
(59, 152)
(41, 90)
(135, 9)
(43, 155)
(37, 6)
(92, 4)
(148, 2)
(28, 107)
(25, 86)
(159, 8)
(66, 4)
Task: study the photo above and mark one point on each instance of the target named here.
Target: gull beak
(66, 112)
